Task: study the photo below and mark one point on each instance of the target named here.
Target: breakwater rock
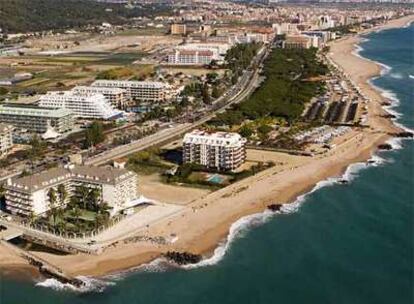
(385, 147)
(274, 207)
(183, 258)
(404, 134)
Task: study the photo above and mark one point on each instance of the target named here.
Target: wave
(91, 285)
(385, 69)
(397, 75)
(411, 76)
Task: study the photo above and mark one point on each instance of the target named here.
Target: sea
(339, 244)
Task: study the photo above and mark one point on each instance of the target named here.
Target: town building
(117, 97)
(28, 195)
(178, 29)
(92, 106)
(151, 91)
(219, 150)
(6, 138)
(36, 119)
(191, 57)
(298, 42)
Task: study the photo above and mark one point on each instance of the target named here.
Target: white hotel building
(220, 150)
(93, 106)
(197, 53)
(147, 91)
(117, 97)
(29, 195)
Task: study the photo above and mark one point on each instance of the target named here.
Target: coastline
(222, 212)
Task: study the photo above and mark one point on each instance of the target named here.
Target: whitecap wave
(237, 230)
(397, 75)
(411, 76)
(91, 285)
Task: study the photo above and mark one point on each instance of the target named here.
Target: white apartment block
(220, 150)
(36, 119)
(191, 57)
(6, 139)
(117, 97)
(29, 195)
(152, 91)
(93, 106)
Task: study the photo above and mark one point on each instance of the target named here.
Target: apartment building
(178, 29)
(6, 139)
(298, 42)
(191, 57)
(36, 119)
(93, 106)
(29, 195)
(220, 150)
(117, 97)
(149, 91)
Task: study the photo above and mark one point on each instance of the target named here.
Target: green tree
(246, 131)
(206, 94)
(94, 134)
(52, 204)
(62, 193)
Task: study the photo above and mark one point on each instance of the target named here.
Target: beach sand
(205, 222)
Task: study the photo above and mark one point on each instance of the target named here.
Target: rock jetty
(183, 258)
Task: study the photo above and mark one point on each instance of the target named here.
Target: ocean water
(339, 244)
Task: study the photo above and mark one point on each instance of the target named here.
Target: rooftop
(56, 176)
(28, 110)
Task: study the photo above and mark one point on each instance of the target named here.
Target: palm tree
(84, 194)
(52, 204)
(62, 193)
(76, 213)
(94, 197)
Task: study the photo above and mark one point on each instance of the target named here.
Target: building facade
(117, 97)
(93, 106)
(6, 138)
(178, 29)
(298, 42)
(220, 150)
(151, 91)
(29, 195)
(37, 119)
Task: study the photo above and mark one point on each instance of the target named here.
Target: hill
(38, 15)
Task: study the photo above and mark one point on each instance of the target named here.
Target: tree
(246, 131)
(206, 94)
(84, 195)
(94, 198)
(216, 93)
(94, 134)
(62, 193)
(76, 213)
(52, 204)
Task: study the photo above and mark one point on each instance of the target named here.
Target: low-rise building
(151, 91)
(297, 42)
(219, 150)
(6, 138)
(191, 57)
(36, 119)
(178, 29)
(117, 97)
(93, 106)
(28, 195)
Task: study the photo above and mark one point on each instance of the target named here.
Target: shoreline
(286, 186)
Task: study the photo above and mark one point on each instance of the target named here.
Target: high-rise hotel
(220, 150)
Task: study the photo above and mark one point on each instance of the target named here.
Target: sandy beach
(205, 222)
